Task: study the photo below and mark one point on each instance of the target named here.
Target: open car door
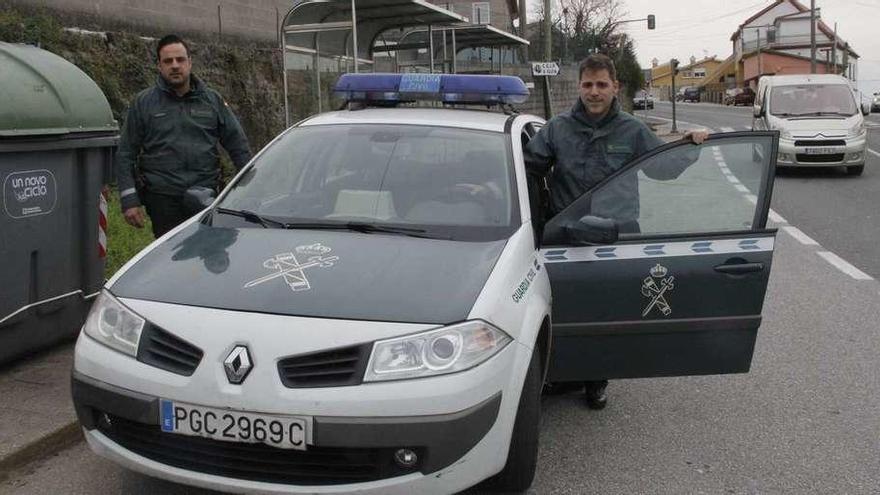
(677, 285)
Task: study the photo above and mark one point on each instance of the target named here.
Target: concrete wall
(256, 19)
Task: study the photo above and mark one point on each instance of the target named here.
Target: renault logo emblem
(237, 364)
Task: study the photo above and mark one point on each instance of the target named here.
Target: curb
(41, 448)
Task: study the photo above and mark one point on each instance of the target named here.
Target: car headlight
(856, 131)
(436, 352)
(114, 325)
(785, 134)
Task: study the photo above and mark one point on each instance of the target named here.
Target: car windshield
(812, 99)
(437, 181)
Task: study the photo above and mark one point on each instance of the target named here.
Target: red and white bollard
(102, 223)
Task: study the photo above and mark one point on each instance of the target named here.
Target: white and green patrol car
(371, 306)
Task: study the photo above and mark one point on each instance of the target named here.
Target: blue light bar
(447, 88)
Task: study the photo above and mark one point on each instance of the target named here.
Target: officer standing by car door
(578, 149)
(169, 142)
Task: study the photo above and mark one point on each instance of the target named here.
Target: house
(776, 40)
(688, 75)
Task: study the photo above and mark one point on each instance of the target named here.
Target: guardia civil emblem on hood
(287, 267)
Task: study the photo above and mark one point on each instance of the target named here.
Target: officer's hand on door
(135, 217)
(696, 137)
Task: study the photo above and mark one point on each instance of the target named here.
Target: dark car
(746, 97)
(691, 94)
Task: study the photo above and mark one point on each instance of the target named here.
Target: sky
(704, 27)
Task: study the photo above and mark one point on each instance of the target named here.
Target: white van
(819, 119)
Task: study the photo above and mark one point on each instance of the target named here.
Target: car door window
(685, 189)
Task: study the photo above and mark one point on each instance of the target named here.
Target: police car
(367, 306)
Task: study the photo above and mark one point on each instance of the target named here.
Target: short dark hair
(597, 61)
(170, 39)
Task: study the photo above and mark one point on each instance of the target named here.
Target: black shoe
(562, 388)
(595, 394)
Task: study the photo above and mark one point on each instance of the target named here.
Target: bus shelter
(335, 36)
(436, 43)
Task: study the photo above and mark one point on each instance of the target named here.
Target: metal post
(759, 53)
(354, 35)
(284, 76)
(548, 56)
(219, 23)
(674, 126)
(318, 71)
(430, 46)
(500, 60)
(812, 36)
(454, 54)
(445, 55)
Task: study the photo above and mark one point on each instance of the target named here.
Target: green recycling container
(57, 138)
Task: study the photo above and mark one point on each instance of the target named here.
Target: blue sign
(420, 83)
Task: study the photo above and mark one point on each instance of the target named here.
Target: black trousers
(166, 211)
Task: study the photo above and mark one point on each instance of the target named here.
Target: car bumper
(351, 430)
(852, 153)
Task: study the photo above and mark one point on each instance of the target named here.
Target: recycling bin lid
(44, 94)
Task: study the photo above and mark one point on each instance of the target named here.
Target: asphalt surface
(804, 420)
(842, 213)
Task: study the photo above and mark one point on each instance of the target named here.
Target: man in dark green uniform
(578, 149)
(169, 142)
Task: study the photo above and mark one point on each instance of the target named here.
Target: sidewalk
(36, 414)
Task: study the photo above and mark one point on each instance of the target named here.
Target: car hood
(812, 126)
(327, 274)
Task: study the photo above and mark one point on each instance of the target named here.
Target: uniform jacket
(170, 141)
(576, 152)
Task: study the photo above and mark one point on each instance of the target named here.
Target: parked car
(730, 94)
(366, 308)
(746, 97)
(875, 103)
(643, 100)
(819, 118)
(691, 94)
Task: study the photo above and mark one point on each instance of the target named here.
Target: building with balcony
(776, 41)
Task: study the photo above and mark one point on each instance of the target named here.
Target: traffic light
(674, 64)
(651, 22)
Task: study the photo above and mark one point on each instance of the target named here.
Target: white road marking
(843, 266)
(873, 152)
(742, 188)
(774, 217)
(800, 236)
(754, 200)
(727, 129)
(732, 179)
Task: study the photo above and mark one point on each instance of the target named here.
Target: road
(840, 212)
(804, 420)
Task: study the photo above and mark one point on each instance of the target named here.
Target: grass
(123, 240)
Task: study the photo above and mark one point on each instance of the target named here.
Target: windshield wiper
(363, 227)
(253, 217)
(817, 114)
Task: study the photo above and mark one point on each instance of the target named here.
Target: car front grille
(334, 368)
(820, 142)
(163, 350)
(835, 158)
(255, 462)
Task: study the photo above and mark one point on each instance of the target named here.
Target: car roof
(461, 118)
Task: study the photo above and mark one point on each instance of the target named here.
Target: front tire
(522, 456)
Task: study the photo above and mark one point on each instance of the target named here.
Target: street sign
(545, 68)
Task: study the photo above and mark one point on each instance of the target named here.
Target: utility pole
(834, 52)
(523, 30)
(812, 36)
(548, 57)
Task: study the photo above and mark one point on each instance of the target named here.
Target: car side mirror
(587, 230)
(757, 111)
(866, 109)
(197, 198)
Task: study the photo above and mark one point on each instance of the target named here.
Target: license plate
(823, 151)
(285, 432)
